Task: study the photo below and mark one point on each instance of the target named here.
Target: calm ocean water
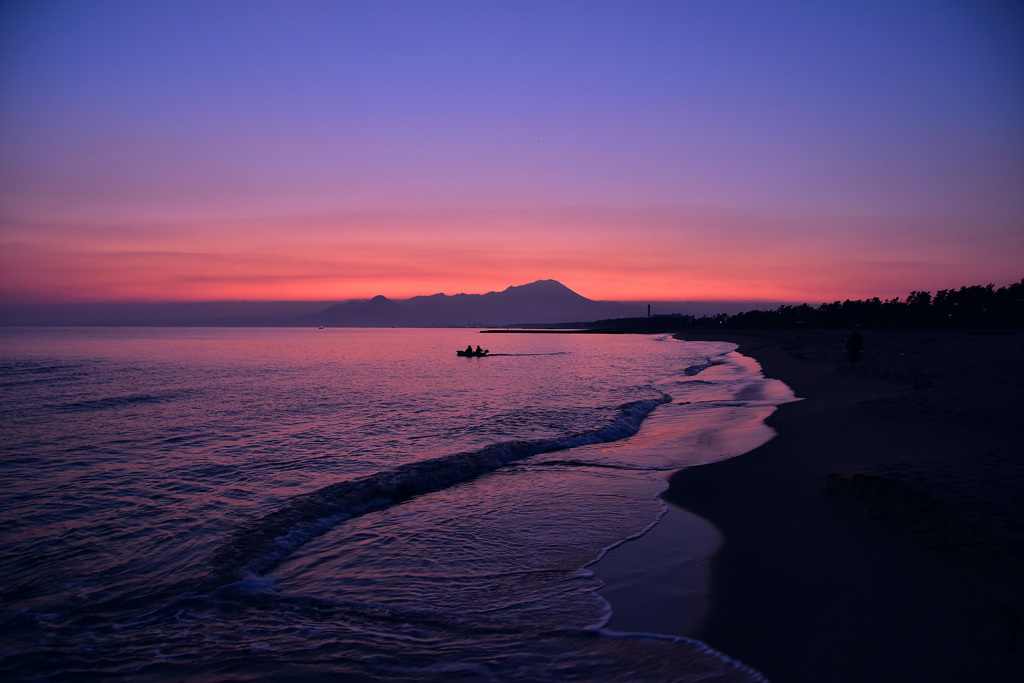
(357, 504)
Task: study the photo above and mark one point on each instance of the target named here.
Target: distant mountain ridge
(543, 301)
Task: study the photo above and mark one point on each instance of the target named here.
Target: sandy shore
(880, 535)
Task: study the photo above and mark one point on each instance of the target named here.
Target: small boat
(467, 354)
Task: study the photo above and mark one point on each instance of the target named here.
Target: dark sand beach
(880, 535)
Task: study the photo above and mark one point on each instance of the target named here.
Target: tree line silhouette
(967, 308)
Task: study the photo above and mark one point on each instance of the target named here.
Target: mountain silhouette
(379, 311)
(543, 301)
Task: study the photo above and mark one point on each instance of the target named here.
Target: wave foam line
(259, 545)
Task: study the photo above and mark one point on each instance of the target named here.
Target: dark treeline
(967, 308)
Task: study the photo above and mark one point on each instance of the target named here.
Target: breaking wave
(258, 546)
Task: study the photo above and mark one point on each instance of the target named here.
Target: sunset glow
(194, 151)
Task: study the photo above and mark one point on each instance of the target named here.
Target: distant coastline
(544, 302)
(548, 305)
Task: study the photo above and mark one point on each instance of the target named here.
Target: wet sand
(880, 535)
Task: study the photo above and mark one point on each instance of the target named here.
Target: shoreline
(876, 537)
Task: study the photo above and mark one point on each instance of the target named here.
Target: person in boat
(480, 351)
(469, 349)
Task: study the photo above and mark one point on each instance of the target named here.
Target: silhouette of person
(469, 349)
(854, 346)
(479, 350)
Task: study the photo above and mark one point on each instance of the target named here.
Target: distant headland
(977, 307)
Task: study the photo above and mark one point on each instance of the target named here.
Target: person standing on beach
(854, 345)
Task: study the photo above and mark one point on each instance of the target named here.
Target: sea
(352, 504)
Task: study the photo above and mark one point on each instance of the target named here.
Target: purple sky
(798, 151)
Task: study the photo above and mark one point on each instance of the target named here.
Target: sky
(173, 150)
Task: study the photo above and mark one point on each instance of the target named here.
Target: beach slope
(879, 535)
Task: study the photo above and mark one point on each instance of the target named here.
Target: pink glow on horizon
(656, 152)
(663, 255)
